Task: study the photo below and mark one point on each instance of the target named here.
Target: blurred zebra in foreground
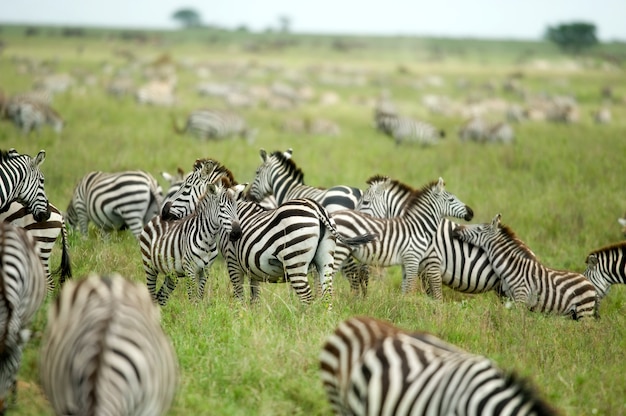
(22, 292)
(104, 351)
(23, 181)
(605, 267)
(405, 129)
(216, 124)
(370, 367)
(114, 201)
(524, 278)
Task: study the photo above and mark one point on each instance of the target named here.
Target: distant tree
(187, 17)
(573, 37)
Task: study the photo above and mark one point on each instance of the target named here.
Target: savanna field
(559, 186)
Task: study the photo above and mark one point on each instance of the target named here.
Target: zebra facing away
(605, 267)
(104, 351)
(450, 261)
(187, 246)
(23, 181)
(114, 201)
(22, 292)
(370, 367)
(405, 129)
(216, 124)
(524, 278)
(403, 239)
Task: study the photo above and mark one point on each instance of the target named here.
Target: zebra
(114, 201)
(216, 124)
(500, 133)
(605, 267)
(45, 234)
(459, 265)
(22, 292)
(371, 367)
(175, 181)
(405, 129)
(524, 278)
(187, 246)
(29, 115)
(23, 181)
(104, 351)
(403, 239)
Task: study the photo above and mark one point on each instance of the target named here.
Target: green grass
(559, 187)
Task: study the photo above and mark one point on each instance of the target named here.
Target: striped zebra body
(403, 239)
(22, 293)
(606, 267)
(114, 201)
(216, 124)
(21, 180)
(370, 367)
(404, 129)
(447, 260)
(187, 246)
(104, 351)
(31, 116)
(524, 278)
(45, 235)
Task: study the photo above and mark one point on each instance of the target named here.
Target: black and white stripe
(29, 115)
(605, 267)
(405, 129)
(22, 292)
(524, 278)
(104, 351)
(371, 367)
(114, 201)
(216, 124)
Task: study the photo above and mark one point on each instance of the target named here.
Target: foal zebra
(459, 265)
(114, 201)
(370, 367)
(21, 180)
(22, 292)
(524, 278)
(405, 129)
(403, 239)
(216, 124)
(605, 267)
(104, 351)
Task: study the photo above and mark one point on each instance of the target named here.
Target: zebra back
(104, 340)
(605, 267)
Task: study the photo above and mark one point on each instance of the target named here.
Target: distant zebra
(524, 278)
(187, 246)
(370, 367)
(114, 201)
(104, 351)
(403, 239)
(447, 260)
(216, 124)
(622, 222)
(605, 267)
(500, 133)
(23, 181)
(22, 293)
(28, 115)
(45, 234)
(405, 129)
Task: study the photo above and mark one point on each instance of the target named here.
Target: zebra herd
(106, 330)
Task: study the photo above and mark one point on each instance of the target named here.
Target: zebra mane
(394, 183)
(417, 194)
(217, 168)
(4, 154)
(294, 170)
(529, 394)
(523, 249)
(617, 247)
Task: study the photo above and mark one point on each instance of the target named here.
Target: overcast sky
(519, 19)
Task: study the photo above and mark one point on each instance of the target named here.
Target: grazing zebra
(216, 124)
(22, 181)
(371, 367)
(500, 133)
(524, 278)
(45, 234)
(29, 115)
(114, 201)
(187, 246)
(447, 260)
(22, 292)
(403, 239)
(104, 351)
(605, 267)
(405, 129)
(278, 175)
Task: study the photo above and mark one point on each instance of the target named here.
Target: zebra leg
(166, 289)
(254, 290)
(410, 271)
(151, 278)
(300, 284)
(432, 274)
(201, 282)
(351, 270)
(236, 279)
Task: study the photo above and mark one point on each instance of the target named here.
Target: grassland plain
(560, 187)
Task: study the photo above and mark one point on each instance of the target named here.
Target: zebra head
(449, 204)
(373, 200)
(30, 191)
(273, 167)
(219, 202)
(595, 276)
(478, 234)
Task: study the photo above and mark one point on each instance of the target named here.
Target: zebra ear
(263, 154)
(288, 153)
(592, 260)
(495, 223)
(41, 156)
(441, 185)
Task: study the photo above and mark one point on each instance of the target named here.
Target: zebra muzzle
(42, 215)
(469, 215)
(235, 233)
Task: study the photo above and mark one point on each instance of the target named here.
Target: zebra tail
(359, 239)
(65, 268)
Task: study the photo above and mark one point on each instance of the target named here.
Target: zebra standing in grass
(104, 351)
(524, 278)
(23, 181)
(403, 239)
(22, 292)
(459, 265)
(115, 201)
(370, 367)
(187, 246)
(216, 124)
(45, 234)
(605, 267)
(405, 129)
